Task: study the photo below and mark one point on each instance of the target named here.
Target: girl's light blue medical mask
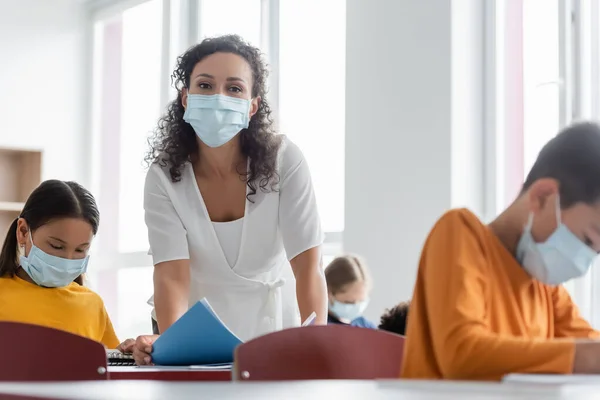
(348, 311)
(557, 260)
(51, 271)
(216, 119)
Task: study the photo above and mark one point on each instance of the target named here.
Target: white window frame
(108, 256)
(493, 88)
(503, 121)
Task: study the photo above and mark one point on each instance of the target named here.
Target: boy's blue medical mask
(51, 271)
(348, 311)
(216, 119)
(562, 257)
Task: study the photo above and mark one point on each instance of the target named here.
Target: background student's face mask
(562, 257)
(51, 271)
(348, 311)
(216, 119)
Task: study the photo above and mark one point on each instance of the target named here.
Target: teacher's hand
(143, 348)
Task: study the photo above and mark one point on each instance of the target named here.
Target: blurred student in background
(394, 319)
(348, 287)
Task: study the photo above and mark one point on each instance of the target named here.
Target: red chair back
(7, 396)
(320, 352)
(36, 353)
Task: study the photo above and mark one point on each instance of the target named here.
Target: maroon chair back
(320, 352)
(7, 396)
(36, 353)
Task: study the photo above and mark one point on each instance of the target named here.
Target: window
(134, 288)
(533, 98)
(541, 76)
(140, 108)
(126, 105)
(177, 42)
(531, 88)
(135, 46)
(312, 95)
(548, 63)
(585, 102)
(216, 19)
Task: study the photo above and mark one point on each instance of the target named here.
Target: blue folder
(199, 337)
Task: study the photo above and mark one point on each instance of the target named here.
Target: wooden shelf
(20, 174)
(11, 206)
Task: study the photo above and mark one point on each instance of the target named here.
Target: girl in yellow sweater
(42, 263)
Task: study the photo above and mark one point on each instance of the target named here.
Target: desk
(554, 379)
(167, 374)
(311, 390)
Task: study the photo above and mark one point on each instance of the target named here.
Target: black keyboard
(116, 358)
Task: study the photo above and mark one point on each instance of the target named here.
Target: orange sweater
(477, 315)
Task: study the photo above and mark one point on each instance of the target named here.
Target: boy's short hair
(394, 319)
(572, 158)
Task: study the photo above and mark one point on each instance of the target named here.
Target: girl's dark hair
(52, 200)
(174, 140)
(346, 270)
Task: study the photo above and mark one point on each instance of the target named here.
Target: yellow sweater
(73, 308)
(476, 314)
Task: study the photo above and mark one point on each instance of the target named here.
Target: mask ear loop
(24, 246)
(529, 223)
(558, 211)
(30, 237)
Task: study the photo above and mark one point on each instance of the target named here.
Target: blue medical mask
(557, 260)
(348, 311)
(51, 271)
(216, 119)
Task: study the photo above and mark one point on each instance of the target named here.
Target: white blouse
(241, 267)
(230, 238)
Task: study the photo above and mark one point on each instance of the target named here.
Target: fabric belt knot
(273, 304)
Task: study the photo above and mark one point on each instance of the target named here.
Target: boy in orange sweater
(488, 299)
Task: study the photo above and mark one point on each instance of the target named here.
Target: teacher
(229, 204)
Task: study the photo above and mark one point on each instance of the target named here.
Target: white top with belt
(242, 267)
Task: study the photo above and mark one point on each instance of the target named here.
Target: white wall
(414, 105)
(43, 88)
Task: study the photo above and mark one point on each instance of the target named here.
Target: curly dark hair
(173, 142)
(394, 320)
